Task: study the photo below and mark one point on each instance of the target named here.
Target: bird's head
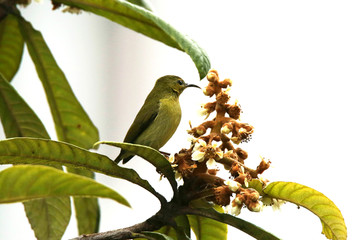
(174, 84)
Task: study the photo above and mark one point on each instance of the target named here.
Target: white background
(295, 69)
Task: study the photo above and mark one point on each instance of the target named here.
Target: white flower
(258, 207)
(172, 158)
(276, 204)
(203, 112)
(198, 156)
(191, 139)
(200, 143)
(235, 210)
(246, 182)
(211, 163)
(238, 201)
(242, 130)
(233, 185)
(218, 151)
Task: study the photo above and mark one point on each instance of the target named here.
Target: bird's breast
(164, 125)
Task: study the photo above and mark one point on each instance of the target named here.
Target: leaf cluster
(47, 173)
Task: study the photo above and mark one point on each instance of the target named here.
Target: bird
(159, 116)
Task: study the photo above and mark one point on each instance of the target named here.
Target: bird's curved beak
(191, 85)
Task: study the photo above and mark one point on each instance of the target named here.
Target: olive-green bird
(158, 118)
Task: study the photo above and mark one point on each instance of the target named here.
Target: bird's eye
(180, 82)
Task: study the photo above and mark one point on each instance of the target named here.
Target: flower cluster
(213, 148)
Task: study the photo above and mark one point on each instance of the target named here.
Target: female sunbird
(158, 118)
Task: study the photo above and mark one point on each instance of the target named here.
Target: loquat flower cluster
(214, 149)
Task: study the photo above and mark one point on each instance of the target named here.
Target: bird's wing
(142, 121)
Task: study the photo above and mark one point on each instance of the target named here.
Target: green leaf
(206, 228)
(17, 118)
(147, 23)
(27, 182)
(48, 217)
(181, 232)
(44, 151)
(72, 124)
(152, 156)
(71, 121)
(256, 184)
(142, 3)
(330, 216)
(247, 227)
(11, 46)
(87, 209)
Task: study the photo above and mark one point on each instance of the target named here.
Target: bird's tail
(124, 156)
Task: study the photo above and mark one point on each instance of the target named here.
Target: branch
(150, 224)
(165, 216)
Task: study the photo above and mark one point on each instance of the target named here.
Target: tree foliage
(38, 178)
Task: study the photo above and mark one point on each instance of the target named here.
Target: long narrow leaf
(247, 227)
(69, 116)
(72, 124)
(330, 216)
(87, 209)
(48, 217)
(11, 46)
(26, 182)
(181, 232)
(17, 118)
(43, 151)
(147, 23)
(152, 156)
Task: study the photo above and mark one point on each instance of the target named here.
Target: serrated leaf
(72, 124)
(44, 151)
(27, 182)
(49, 217)
(330, 216)
(152, 156)
(87, 210)
(17, 118)
(247, 227)
(11, 46)
(147, 23)
(208, 229)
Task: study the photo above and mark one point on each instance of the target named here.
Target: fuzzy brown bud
(225, 83)
(222, 98)
(234, 111)
(212, 76)
(222, 195)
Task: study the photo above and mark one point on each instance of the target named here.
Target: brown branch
(165, 216)
(124, 233)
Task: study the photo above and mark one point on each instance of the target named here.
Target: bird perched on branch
(158, 118)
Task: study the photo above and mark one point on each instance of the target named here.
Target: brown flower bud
(222, 195)
(212, 76)
(234, 111)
